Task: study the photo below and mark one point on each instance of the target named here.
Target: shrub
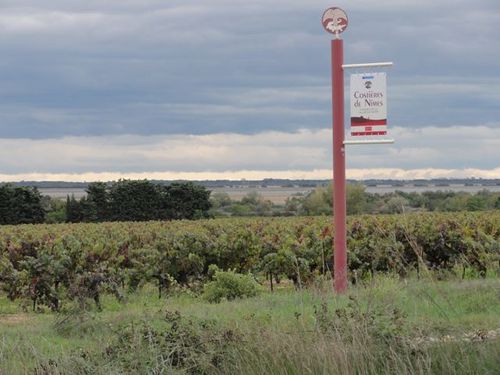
(173, 345)
(178, 345)
(230, 285)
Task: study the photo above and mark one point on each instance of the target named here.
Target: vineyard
(48, 264)
(419, 305)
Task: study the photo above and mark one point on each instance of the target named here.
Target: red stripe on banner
(354, 134)
(357, 122)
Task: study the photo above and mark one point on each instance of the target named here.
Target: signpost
(335, 22)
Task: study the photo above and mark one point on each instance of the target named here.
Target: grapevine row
(49, 264)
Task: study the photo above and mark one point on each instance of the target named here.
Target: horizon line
(355, 174)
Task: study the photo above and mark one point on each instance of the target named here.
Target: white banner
(368, 104)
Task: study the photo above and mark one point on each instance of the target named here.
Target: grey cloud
(190, 67)
(454, 147)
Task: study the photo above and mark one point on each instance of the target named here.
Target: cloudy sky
(103, 89)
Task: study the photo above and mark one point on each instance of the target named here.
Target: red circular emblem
(334, 20)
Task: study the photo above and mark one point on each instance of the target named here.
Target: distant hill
(271, 182)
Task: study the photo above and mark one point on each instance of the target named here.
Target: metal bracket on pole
(368, 141)
(367, 65)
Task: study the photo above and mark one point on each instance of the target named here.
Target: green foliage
(388, 326)
(134, 200)
(98, 202)
(230, 285)
(476, 203)
(239, 209)
(252, 204)
(55, 210)
(20, 205)
(395, 205)
(319, 201)
(358, 201)
(220, 200)
(185, 201)
(129, 200)
(177, 344)
(51, 264)
(377, 321)
(74, 211)
(355, 199)
(172, 344)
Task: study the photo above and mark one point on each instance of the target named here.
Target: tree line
(320, 202)
(141, 200)
(129, 200)
(124, 200)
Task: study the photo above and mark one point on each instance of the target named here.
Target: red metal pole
(339, 193)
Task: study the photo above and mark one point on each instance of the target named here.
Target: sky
(231, 89)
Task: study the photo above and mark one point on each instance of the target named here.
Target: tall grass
(280, 353)
(378, 328)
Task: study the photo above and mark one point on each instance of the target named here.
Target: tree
(74, 212)
(395, 205)
(293, 205)
(7, 211)
(28, 205)
(131, 200)
(97, 202)
(20, 205)
(185, 200)
(238, 209)
(318, 202)
(456, 203)
(255, 205)
(139, 200)
(55, 209)
(476, 203)
(356, 199)
(220, 200)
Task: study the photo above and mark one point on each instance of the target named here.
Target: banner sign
(368, 104)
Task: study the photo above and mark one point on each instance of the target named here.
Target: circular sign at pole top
(335, 21)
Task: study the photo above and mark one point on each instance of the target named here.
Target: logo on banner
(368, 104)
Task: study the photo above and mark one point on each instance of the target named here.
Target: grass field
(384, 326)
